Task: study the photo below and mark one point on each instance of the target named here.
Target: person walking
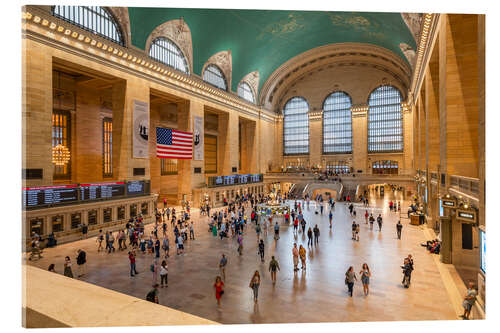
(191, 230)
(111, 241)
(365, 277)
(295, 254)
(99, 240)
(330, 218)
(154, 270)
(240, 244)
(67, 267)
(180, 244)
(379, 222)
(316, 235)
(350, 277)
(366, 216)
(257, 231)
(303, 225)
(353, 229)
(157, 248)
(302, 254)
(399, 227)
(309, 237)
(273, 268)
(371, 219)
(261, 250)
(276, 231)
(469, 301)
(81, 259)
(222, 266)
(219, 289)
(131, 257)
(254, 284)
(166, 246)
(407, 269)
(164, 273)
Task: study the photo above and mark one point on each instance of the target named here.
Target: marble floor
(317, 294)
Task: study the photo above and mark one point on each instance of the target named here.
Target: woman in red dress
(219, 289)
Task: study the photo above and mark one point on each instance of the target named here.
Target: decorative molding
(224, 61)
(178, 32)
(123, 19)
(414, 23)
(427, 37)
(316, 115)
(252, 79)
(359, 111)
(339, 54)
(40, 25)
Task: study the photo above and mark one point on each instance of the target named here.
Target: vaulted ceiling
(263, 39)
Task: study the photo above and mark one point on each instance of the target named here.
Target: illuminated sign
(448, 203)
(466, 215)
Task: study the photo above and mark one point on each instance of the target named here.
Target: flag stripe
(171, 143)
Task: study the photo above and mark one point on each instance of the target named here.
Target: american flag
(171, 143)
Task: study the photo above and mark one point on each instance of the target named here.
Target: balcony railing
(465, 184)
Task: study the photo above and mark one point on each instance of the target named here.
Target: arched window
(337, 124)
(385, 120)
(214, 76)
(296, 127)
(91, 18)
(166, 52)
(245, 92)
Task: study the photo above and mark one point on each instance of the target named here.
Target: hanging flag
(171, 143)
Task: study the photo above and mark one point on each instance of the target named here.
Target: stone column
(360, 138)
(315, 138)
(124, 94)
(187, 179)
(227, 143)
(481, 112)
(37, 111)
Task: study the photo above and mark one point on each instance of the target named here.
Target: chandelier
(60, 155)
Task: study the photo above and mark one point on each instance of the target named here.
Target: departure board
(229, 180)
(243, 179)
(135, 187)
(49, 195)
(102, 191)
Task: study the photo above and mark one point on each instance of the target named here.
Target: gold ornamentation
(60, 155)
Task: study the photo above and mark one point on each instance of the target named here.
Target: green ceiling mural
(264, 39)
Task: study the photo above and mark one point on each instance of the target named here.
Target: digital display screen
(219, 180)
(135, 187)
(49, 195)
(102, 191)
(482, 241)
(243, 179)
(229, 180)
(441, 209)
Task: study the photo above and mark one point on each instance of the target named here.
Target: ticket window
(121, 212)
(36, 226)
(144, 208)
(133, 210)
(57, 223)
(107, 215)
(76, 220)
(92, 217)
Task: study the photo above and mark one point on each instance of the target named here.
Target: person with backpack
(379, 222)
(166, 246)
(164, 273)
(316, 235)
(399, 227)
(371, 219)
(273, 268)
(353, 229)
(81, 260)
(261, 250)
(131, 257)
(180, 244)
(152, 295)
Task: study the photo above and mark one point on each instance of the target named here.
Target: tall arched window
(166, 52)
(91, 18)
(296, 127)
(245, 92)
(337, 124)
(385, 120)
(214, 76)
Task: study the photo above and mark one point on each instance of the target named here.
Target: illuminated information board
(50, 195)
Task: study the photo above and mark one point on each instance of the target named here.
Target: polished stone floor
(315, 295)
